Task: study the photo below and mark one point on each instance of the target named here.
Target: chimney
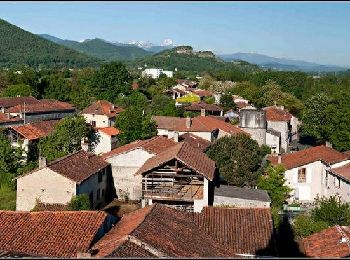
(2, 110)
(279, 159)
(188, 122)
(282, 107)
(274, 103)
(42, 161)
(8, 115)
(85, 146)
(202, 111)
(329, 144)
(176, 137)
(83, 255)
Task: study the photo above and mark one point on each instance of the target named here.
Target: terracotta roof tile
(36, 130)
(342, 171)
(273, 113)
(202, 105)
(195, 141)
(245, 230)
(154, 145)
(186, 154)
(202, 93)
(171, 232)
(111, 131)
(50, 207)
(102, 107)
(309, 155)
(327, 243)
(7, 102)
(130, 249)
(44, 105)
(5, 118)
(50, 234)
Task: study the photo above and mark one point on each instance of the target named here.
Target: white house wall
(198, 205)
(101, 120)
(45, 185)
(239, 203)
(282, 127)
(273, 140)
(104, 144)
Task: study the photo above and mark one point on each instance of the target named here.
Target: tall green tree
(66, 138)
(134, 125)
(20, 90)
(274, 183)
(162, 105)
(111, 80)
(238, 159)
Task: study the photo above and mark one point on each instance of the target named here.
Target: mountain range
(280, 63)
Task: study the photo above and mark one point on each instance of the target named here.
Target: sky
(311, 31)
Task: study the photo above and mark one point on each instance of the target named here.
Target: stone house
(60, 180)
(27, 136)
(60, 234)
(231, 196)
(128, 159)
(314, 172)
(206, 127)
(253, 121)
(44, 109)
(101, 114)
(107, 139)
(180, 176)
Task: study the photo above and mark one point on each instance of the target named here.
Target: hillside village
(177, 154)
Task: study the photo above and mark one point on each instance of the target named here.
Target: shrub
(79, 202)
(305, 225)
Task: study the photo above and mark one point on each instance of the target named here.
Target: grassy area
(7, 198)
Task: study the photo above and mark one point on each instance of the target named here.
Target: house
(308, 172)
(27, 136)
(337, 182)
(60, 180)
(61, 234)
(7, 120)
(202, 93)
(332, 242)
(253, 121)
(231, 196)
(280, 120)
(246, 231)
(187, 83)
(180, 176)
(101, 114)
(158, 232)
(205, 109)
(155, 73)
(7, 102)
(128, 159)
(240, 102)
(44, 109)
(206, 127)
(107, 139)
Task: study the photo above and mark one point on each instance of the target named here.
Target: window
(326, 179)
(99, 176)
(338, 183)
(93, 123)
(98, 195)
(302, 175)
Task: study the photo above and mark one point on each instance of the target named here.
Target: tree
(163, 106)
(136, 99)
(66, 138)
(304, 225)
(274, 183)
(238, 159)
(226, 101)
(314, 117)
(209, 100)
(10, 161)
(79, 202)
(134, 125)
(20, 90)
(111, 80)
(332, 211)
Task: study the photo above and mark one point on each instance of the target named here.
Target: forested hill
(183, 58)
(101, 49)
(19, 47)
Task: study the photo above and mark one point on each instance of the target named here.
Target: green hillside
(101, 49)
(185, 59)
(19, 47)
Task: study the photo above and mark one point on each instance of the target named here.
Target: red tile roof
(202, 105)
(36, 130)
(186, 154)
(245, 230)
(50, 207)
(309, 155)
(198, 124)
(241, 104)
(343, 171)
(77, 166)
(195, 141)
(202, 93)
(169, 231)
(154, 145)
(7, 102)
(50, 234)
(102, 107)
(44, 105)
(327, 243)
(5, 118)
(111, 131)
(274, 113)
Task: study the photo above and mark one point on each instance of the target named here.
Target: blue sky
(311, 31)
